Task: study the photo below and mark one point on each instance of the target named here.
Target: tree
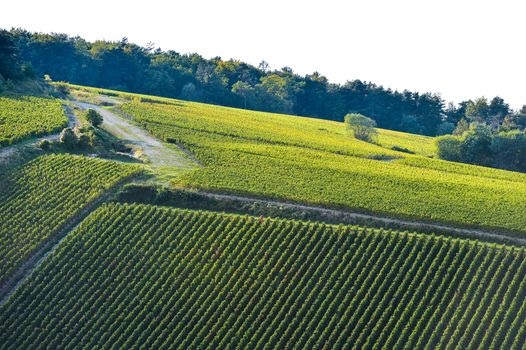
(509, 124)
(509, 150)
(497, 110)
(477, 111)
(264, 66)
(453, 113)
(363, 128)
(9, 61)
(445, 128)
(462, 127)
(410, 124)
(519, 118)
(476, 145)
(93, 117)
(190, 92)
(244, 90)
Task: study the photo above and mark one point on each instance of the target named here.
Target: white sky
(461, 49)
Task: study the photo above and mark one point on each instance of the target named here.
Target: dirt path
(350, 217)
(7, 153)
(158, 153)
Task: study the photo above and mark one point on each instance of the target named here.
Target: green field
(316, 161)
(135, 276)
(39, 198)
(25, 117)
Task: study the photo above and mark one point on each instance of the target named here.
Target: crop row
(28, 117)
(137, 276)
(40, 197)
(297, 161)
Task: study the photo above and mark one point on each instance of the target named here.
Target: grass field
(135, 276)
(40, 197)
(25, 117)
(278, 126)
(317, 162)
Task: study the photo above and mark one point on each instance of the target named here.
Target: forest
(122, 65)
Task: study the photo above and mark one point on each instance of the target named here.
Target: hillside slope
(27, 116)
(317, 162)
(135, 276)
(41, 197)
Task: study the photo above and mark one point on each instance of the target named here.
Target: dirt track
(157, 152)
(343, 216)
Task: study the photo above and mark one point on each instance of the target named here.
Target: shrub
(93, 117)
(449, 147)
(84, 141)
(68, 138)
(363, 128)
(44, 144)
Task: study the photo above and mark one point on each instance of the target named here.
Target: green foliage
(410, 124)
(462, 127)
(84, 141)
(445, 128)
(9, 57)
(135, 276)
(449, 147)
(68, 138)
(313, 161)
(476, 145)
(509, 150)
(93, 117)
(42, 196)
(363, 128)
(129, 67)
(478, 110)
(26, 117)
(44, 144)
(480, 146)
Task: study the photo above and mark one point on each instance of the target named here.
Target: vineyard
(316, 162)
(40, 197)
(29, 117)
(136, 276)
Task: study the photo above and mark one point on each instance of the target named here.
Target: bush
(480, 146)
(93, 117)
(362, 127)
(84, 141)
(61, 88)
(68, 138)
(44, 144)
(449, 147)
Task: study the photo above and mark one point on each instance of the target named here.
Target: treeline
(126, 66)
(488, 133)
(482, 145)
(11, 67)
